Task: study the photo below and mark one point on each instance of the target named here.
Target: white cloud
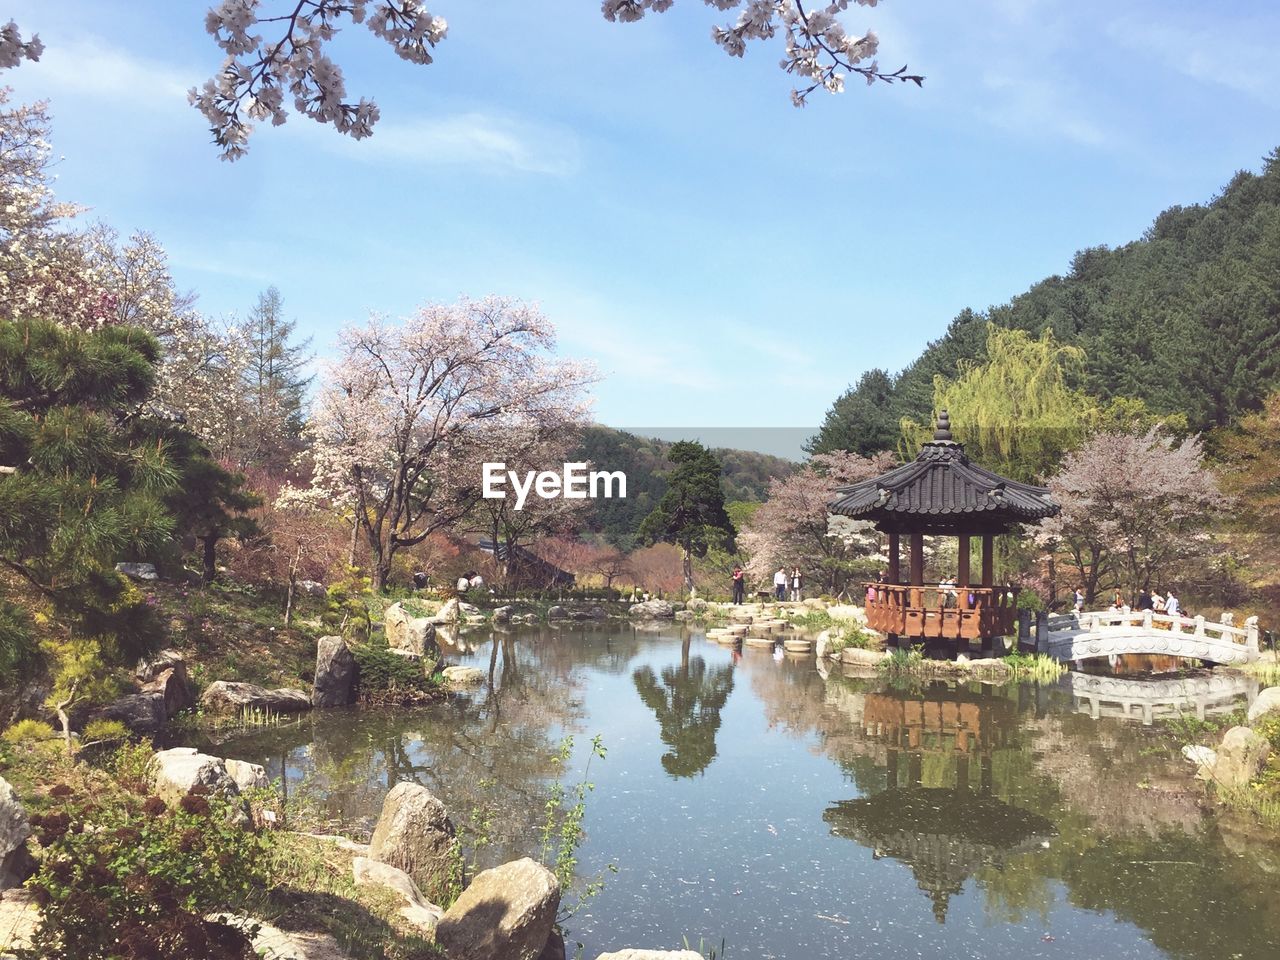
(473, 139)
(86, 68)
(1239, 54)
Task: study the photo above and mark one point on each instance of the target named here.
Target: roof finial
(943, 431)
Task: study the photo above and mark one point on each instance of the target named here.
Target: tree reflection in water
(687, 704)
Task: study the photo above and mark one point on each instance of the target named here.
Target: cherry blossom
(13, 49)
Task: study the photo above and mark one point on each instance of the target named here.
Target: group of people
(1147, 600)
(782, 583)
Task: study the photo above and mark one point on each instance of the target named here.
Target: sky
(726, 259)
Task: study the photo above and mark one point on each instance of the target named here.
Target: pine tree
(274, 383)
(691, 513)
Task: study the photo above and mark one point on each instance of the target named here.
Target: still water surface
(801, 816)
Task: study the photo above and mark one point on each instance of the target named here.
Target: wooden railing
(930, 611)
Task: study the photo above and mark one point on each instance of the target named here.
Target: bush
(122, 876)
(104, 731)
(382, 675)
(28, 732)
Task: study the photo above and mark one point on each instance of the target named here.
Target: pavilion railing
(934, 611)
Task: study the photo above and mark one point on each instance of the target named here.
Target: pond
(751, 798)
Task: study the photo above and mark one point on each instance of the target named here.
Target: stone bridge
(1149, 700)
(1105, 634)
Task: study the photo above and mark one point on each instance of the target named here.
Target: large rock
(173, 688)
(415, 834)
(414, 907)
(857, 655)
(15, 861)
(416, 635)
(138, 571)
(176, 772)
(557, 612)
(651, 955)
(149, 668)
(505, 914)
(228, 696)
(451, 612)
(142, 712)
(312, 588)
(1241, 757)
(19, 918)
(502, 614)
(335, 674)
(697, 605)
(1204, 759)
(247, 776)
(269, 941)
(1268, 701)
(463, 676)
(652, 610)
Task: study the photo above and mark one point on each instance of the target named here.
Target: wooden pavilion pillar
(962, 566)
(895, 558)
(917, 559)
(988, 561)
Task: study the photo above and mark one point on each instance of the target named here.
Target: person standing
(1171, 604)
(738, 585)
(780, 584)
(1079, 600)
(797, 583)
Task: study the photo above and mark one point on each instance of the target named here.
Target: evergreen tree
(691, 513)
(861, 421)
(274, 383)
(82, 485)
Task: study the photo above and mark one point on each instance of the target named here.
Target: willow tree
(1018, 411)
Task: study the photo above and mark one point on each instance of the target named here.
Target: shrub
(28, 732)
(382, 675)
(124, 876)
(104, 731)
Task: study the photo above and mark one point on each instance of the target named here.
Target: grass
(1034, 667)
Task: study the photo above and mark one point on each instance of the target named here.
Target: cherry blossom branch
(13, 49)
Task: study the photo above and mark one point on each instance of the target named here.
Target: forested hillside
(1187, 319)
(644, 460)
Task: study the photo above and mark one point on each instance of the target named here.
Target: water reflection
(732, 814)
(687, 704)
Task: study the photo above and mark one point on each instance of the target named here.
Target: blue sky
(725, 258)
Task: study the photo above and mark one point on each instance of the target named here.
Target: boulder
(173, 688)
(685, 615)
(138, 571)
(414, 907)
(697, 605)
(507, 913)
(651, 955)
(652, 610)
(335, 680)
(557, 612)
(228, 696)
(857, 655)
(312, 588)
(415, 834)
(1241, 757)
(15, 860)
(502, 614)
(247, 776)
(598, 612)
(451, 612)
(141, 712)
(149, 668)
(269, 941)
(175, 773)
(1268, 701)
(463, 676)
(1203, 757)
(554, 948)
(19, 918)
(416, 635)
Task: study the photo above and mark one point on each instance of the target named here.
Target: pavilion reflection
(939, 814)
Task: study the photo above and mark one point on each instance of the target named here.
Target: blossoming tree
(792, 527)
(409, 411)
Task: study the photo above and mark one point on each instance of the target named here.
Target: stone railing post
(1024, 630)
(1146, 619)
(1251, 634)
(1199, 631)
(1042, 632)
(1228, 619)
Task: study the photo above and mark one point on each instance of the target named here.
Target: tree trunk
(63, 717)
(688, 570)
(293, 586)
(210, 559)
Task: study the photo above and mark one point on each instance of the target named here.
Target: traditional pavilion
(942, 493)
